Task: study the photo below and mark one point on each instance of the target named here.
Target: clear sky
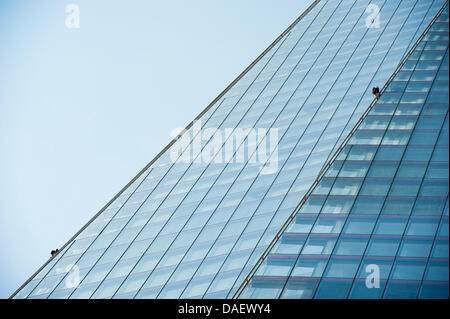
(82, 111)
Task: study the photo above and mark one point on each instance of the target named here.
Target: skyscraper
(375, 225)
(195, 222)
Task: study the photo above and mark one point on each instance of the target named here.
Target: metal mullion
(298, 140)
(279, 89)
(321, 173)
(240, 76)
(314, 144)
(122, 192)
(380, 212)
(275, 71)
(384, 58)
(317, 216)
(208, 166)
(200, 174)
(63, 252)
(120, 231)
(409, 216)
(440, 217)
(390, 187)
(112, 218)
(241, 144)
(438, 11)
(370, 236)
(346, 217)
(253, 153)
(84, 252)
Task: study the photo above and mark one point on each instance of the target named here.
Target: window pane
(263, 289)
(342, 267)
(276, 266)
(361, 291)
(301, 224)
(401, 290)
(408, 270)
(422, 227)
(333, 289)
(376, 187)
(290, 244)
(359, 225)
(319, 245)
(383, 246)
(310, 266)
(434, 290)
(351, 246)
(299, 289)
(328, 224)
(415, 247)
(437, 271)
(390, 226)
(369, 205)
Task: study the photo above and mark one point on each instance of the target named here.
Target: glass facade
(376, 223)
(195, 229)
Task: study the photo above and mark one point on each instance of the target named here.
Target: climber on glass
(376, 92)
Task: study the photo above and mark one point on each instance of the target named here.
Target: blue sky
(83, 110)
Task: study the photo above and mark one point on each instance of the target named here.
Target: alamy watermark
(73, 278)
(373, 277)
(373, 19)
(227, 145)
(72, 16)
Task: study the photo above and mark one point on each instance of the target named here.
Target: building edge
(242, 74)
(333, 157)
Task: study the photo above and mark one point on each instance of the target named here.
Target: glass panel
(383, 246)
(299, 289)
(342, 268)
(310, 266)
(333, 289)
(319, 245)
(401, 290)
(205, 224)
(351, 246)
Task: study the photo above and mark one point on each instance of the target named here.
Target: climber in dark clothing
(376, 92)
